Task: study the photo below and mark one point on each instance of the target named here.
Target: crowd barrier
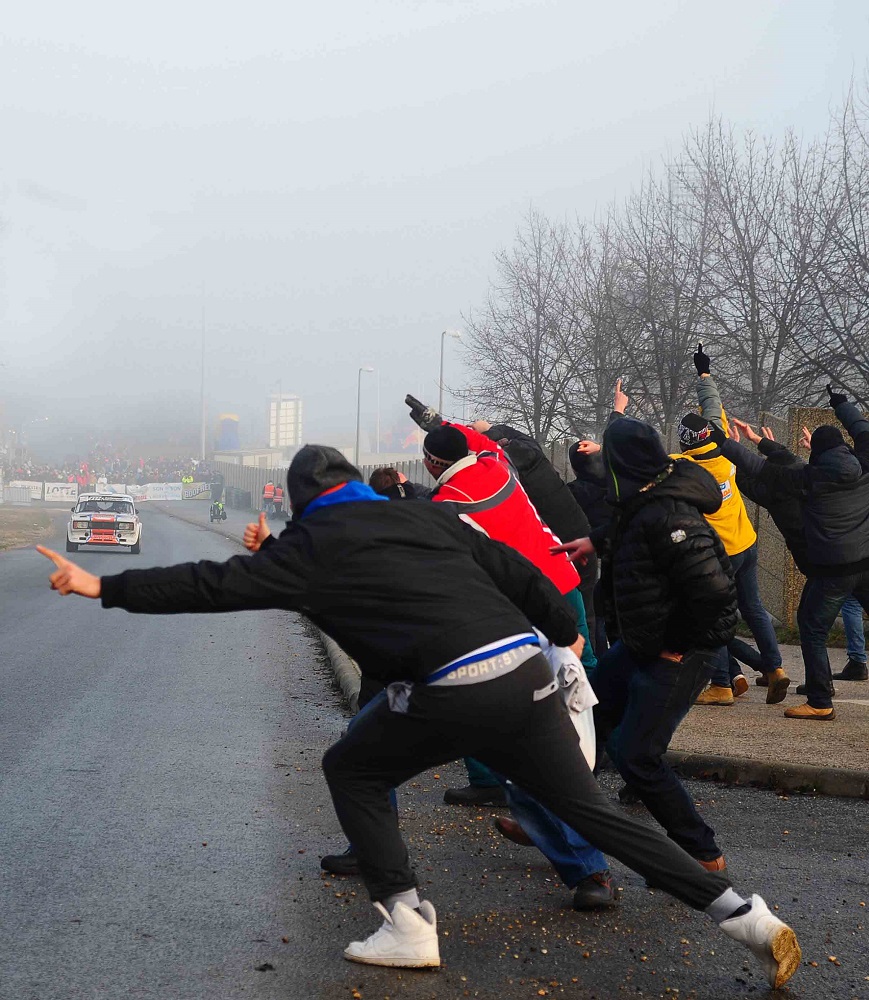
(69, 492)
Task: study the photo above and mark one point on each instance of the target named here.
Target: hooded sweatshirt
(666, 579)
(834, 490)
(404, 588)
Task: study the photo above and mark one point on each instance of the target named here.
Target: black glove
(835, 397)
(426, 416)
(716, 434)
(701, 361)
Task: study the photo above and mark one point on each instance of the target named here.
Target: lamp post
(364, 368)
(456, 336)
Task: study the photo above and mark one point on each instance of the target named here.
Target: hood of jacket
(839, 466)
(633, 456)
(315, 469)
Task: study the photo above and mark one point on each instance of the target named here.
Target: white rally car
(104, 520)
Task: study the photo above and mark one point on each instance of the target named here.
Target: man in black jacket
(443, 616)
(669, 596)
(834, 491)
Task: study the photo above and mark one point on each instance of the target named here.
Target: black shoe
(801, 689)
(852, 671)
(628, 797)
(476, 795)
(340, 864)
(595, 892)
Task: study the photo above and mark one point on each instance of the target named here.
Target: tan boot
(807, 712)
(777, 686)
(715, 695)
(740, 685)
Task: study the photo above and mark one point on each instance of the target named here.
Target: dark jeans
(820, 603)
(754, 615)
(641, 703)
(532, 743)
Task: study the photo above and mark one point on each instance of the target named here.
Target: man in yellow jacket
(739, 538)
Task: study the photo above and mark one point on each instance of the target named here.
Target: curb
(806, 778)
(346, 671)
(781, 777)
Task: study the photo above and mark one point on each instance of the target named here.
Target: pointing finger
(55, 557)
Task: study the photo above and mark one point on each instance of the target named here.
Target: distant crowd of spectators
(103, 464)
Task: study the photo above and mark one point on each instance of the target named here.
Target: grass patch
(23, 526)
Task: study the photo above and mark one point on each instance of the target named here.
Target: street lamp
(364, 368)
(456, 335)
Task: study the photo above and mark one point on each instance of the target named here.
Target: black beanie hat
(445, 445)
(315, 469)
(826, 437)
(634, 454)
(577, 458)
(694, 430)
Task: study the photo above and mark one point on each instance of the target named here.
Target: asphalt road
(163, 814)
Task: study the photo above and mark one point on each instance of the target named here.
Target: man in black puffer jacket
(669, 596)
(834, 489)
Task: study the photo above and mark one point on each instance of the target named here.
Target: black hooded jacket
(666, 579)
(834, 490)
(404, 588)
(547, 491)
(785, 508)
(589, 489)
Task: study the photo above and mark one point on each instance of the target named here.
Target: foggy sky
(323, 186)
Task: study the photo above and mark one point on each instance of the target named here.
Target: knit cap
(693, 431)
(445, 445)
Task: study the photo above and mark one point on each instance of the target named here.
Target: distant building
(227, 432)
(285, 421)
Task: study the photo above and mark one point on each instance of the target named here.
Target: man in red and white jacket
(474, 476)
(476, 480)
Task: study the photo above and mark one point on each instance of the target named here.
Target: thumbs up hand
(69, 578)
(256, 534)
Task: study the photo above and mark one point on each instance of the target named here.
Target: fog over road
(163, 813)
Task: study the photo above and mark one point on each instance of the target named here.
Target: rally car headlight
(80, 525)
(125, 526)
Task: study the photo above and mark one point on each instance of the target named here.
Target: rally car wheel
(136, 549)
(71, 546)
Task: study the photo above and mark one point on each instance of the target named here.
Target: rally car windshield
(104, 507)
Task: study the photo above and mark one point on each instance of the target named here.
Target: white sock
(725, 905)
(410, 897)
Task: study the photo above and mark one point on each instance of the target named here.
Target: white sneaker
(771, 941)
(406, 939)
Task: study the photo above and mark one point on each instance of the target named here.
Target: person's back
(482, 489)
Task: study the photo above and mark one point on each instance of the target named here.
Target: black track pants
(533, 743)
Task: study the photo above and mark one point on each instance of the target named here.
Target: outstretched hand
(835, 397)
(701, 361)
(620, 399)
(256, 534)
(586, 447)
(746, 429)
(426, 417)
(69, 578)
(577, 551)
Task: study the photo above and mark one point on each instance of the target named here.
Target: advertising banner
(196, 491)
(34, 488)
(138, 493)
(61, 492)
